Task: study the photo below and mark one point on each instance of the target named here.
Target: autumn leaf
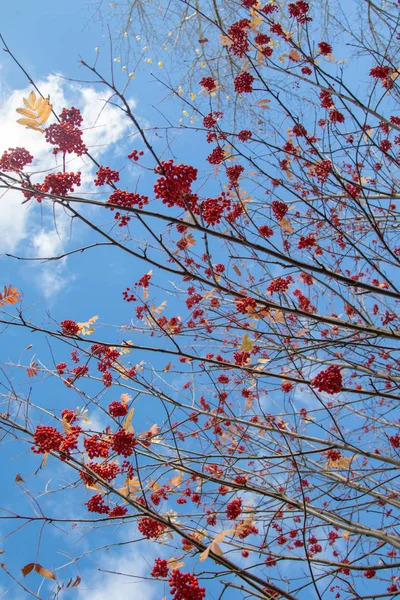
(294, 55)
(175, 563)
(27, 569)
(125, 398)
(237, 270)
(10, 295)
(85, 328)
(44, 572)
(214, 547)
(32, 369)
(36, 112)
(247, 344)
(127, 423)
(167, 368)
(176, 481)
(19, 479)
(286, 226)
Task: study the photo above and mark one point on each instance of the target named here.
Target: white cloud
(105, 127)
(130, 560)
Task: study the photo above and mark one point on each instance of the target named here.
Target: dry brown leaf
(27, 569)
(167, 368)
(19, 479)
(44, 572)
(175, 563)
(286, 226)
(237, 271)
(294, 55)
(214, 547)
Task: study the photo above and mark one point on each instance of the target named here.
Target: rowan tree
(242, 416)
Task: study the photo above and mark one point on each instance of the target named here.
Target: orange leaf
(10, 295)
(32, 369)
(167, 368)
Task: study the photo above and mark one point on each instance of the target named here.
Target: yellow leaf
(44, 572)
(37, 111)
(176, 481)
(127, 423)
(84, 328)
(125, 398)
(247, 344)
(26, 112)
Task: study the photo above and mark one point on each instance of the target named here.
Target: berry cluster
(238, 34)
(160, 569)
(66, 135)
(299, 10)
(329, 381)
(243, 83)
(15, 159)
(117, 409)
(69, 327)
(233, 509)
(184, 586)
(174, 185)
(150, 528)
(105, 175)
(279, 209)
(280, 284)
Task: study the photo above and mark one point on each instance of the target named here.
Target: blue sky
(48, 41)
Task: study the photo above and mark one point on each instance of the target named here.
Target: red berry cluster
(322, 170)
(96, 504)
(134, 155)
(69, 327)
(208, 83)
(127, 199)
(384, 74)
(184, 586)
(243, 83)
(306, 242)
(174, 185)
(123, 442)
(304, 302)
(233, 509)
(106, 175)
(150, 528)
(280, 284)
(279, 209)
(210, 120)
(46, 439)
(212, 209)
(299, 10)
(233, 173)
(96, 447)
(265, 231)
(107, 471)
(66, 135)
(217, 156)
(325, 48)
(238, 34)
(329, 381)
(117, 409)
(160, 569)
(245, 135)
(15, 159)
(245, 305)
